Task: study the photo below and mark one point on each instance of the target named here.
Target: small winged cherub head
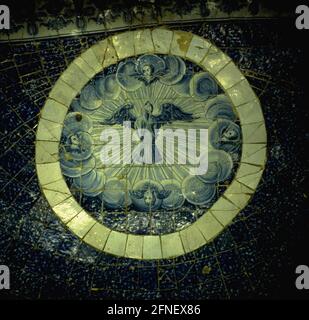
(147, 71)
(150, 194)
(149, 197)
(229, 135)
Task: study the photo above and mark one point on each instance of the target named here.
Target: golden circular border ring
(110, 51)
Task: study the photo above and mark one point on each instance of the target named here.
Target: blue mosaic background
(245, 261)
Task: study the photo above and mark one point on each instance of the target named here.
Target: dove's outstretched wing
(120, 115)
(170, 112)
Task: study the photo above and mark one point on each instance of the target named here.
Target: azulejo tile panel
(155, 210)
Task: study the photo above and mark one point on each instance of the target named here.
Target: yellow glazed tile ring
(77, 75)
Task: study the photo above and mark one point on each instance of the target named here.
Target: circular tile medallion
(154, 78)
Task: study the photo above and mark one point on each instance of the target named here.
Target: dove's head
(148, 107)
